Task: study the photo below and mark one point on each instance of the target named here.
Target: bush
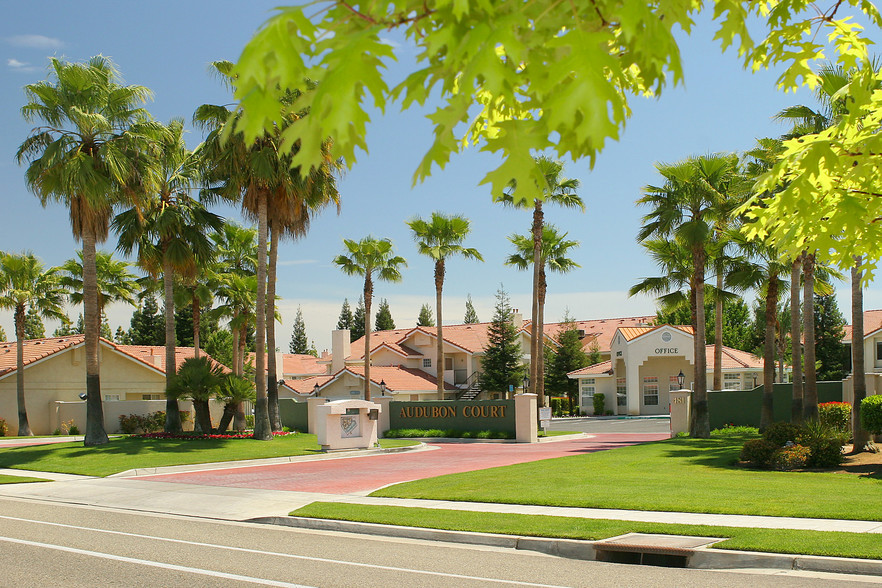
(74, 430)
(136, 423)
(249, 421)
(836, 415)
(758, 451)
(599, 403)
(871, 414)
(780, 433)
(4, 428)
(560, 405)
(791, 457)
(825, 443)
(735, 431)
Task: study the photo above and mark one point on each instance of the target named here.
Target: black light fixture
(281, 382)
(382, 387)
(315, 389)
(83, 395)
(681, 379)
(754, 379)
(526, 383)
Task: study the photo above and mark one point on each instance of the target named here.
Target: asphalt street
(53, 545)
(599, 426)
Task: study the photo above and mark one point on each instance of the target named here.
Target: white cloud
(35, 41)
(21, 66)
(298, 261)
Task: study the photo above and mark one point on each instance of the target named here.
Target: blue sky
(167, 47)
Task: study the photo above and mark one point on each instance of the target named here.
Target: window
(650, 391)
(111, 397)
(878, 350)
(427, 363)
(621, 392)
(448, 363)
(732, 381)
(586, 386)
(151, 396)
(673, 383)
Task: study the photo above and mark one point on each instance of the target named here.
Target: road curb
(700, 558)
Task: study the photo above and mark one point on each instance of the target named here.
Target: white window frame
(151, 396)
(650, 391)
(111, 397)
(586, 390)
(673, 384)
(621, 391)
(732, 381)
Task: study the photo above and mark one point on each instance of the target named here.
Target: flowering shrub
(148, 423)
(191, 436)
(792, 457)
(780, 433)
(836, 415)
(4, 428)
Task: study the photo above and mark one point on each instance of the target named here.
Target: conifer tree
(345, 320)
(425, 319)
(568, 356)
(2, 334)
(65, 329)
(471, 317)
(357, 330)
(34, 328)
(830, 352)
(147, 326)
(383, 321)
(299, 342)
(105, 329)
(121, 336)
(502, 365)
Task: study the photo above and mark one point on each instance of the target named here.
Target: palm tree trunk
(95, 433)
(262, 429)
(796, 342)
(810, 392)
(540, 348)
(718, 334)
(239, 422)
(272, 380)
(172, 413)
(439, 342)
(858, 379)
(368, 295)
(24, 428)
(235, 330)
(782, 348)
(196, 318)
(226, 418)
(243, 342)
(535, 335)
(700, 417)
(767, 415)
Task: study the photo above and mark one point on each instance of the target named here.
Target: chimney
(340, 349)
(325, 354)
(517, 319)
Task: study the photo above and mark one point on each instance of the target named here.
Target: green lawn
(4, 479)
(689, 475)
(128, 453)
(862, 545)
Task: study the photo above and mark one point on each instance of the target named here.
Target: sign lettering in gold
(447, 412)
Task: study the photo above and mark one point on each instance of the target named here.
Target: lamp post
(681, 379)
(315, 389)
(382, 387)
(526, 383)
(754, 379)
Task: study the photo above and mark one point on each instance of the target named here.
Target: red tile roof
(398, 378)
(733, 359)
(600, 331)
(598, 369)
(872, 323)
(299, 364)
(306, 386)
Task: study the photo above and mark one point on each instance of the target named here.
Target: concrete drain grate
(671, 551)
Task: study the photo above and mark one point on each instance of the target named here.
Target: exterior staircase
(471, 389)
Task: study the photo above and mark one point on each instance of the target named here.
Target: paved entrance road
(365, 474)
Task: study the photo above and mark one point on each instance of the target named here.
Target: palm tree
(169, 231)
(439, 239)
(237, 294)
(558, 190)
(26, 287)
(858, 379)
(91, 148)
(115, 282)
(687, 208)
(553, 256)
(369, 257)
(197, 380)
(234, 391)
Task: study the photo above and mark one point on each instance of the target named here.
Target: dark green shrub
(599, 403)
(825, 443)
(836, 415)
(871, 414)
(758, 451)
(791, 457)
(735, 431)
(560, 405)
(136, 423)
(74, 430)
(4, 428)
(780, 433)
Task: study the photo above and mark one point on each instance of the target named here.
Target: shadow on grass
(720, 452)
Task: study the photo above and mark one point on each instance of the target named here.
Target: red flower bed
(190, 436)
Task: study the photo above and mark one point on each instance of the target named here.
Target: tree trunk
(262, 429)
(540, 348)
(202, 416)
(229, 411)
(243, 342)
(172, 413)
(196, 318)
(239, 421)
(700, 417)
(810, 392)
(272, 380)
(439, 341)
(24, 428)
(767, 415)
(796, 351)
(535, 335)
(237, 369)
(368, 295)
(858, 379)
(95, 433)
(718, 334)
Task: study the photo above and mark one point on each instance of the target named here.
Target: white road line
(155, 564)
(275, 553)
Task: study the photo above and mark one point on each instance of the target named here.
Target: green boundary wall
(294, 415)
(481, 415)
(743, 407)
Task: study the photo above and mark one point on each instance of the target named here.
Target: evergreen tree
(594, 353)
(298, 336)
(218, 343)
(357, 330)
(80, 327)
(740, 329)
(312, 350)
(34, 328)
(425, 318)
(502, 365)
(830, 352)
(147, 326)
(2, 334)
(346, 319)
(184, 326)
(383, 320)
(65, 329)
(105, 329)
(121, 336)
(471, 317)
(568, 356)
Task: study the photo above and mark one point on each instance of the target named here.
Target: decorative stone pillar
(383, 424)
(526, 415)
(681, 411)
(311, 404)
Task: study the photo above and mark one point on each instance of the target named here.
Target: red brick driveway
(364, 474)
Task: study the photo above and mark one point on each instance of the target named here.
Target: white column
(526, 415)
(632, 371)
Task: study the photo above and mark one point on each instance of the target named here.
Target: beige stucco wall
(63, 377)
(60, 412)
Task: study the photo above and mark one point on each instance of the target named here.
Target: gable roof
(604, 368)
(872, 324)
(296, 363)
(631, 333)
(599, 331)
(397, 378)
(733, 360)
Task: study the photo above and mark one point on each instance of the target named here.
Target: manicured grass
(861, 545)
(681, 474)
(557, 433)
(4, 479)
(128, 453)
